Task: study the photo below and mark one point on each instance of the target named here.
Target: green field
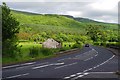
(25, 52)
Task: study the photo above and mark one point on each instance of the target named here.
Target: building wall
(51, 43)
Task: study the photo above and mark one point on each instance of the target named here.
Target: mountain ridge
(80, 19)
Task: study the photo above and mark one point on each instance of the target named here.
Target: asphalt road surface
(90, 62)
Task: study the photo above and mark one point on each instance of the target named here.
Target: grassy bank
(33, 51)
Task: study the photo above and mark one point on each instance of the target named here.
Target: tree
(9, 30)
(93, 31)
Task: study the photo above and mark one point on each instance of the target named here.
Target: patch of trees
(97, 34)
(9, 30)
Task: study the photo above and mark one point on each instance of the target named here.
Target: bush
(103, 44)
(10, 27)
(34, 52)
(97, 43)
(10, 49)
(77, 45)
(113, 44)
(64, 48)
(46, 51)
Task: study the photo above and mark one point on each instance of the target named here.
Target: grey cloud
(64, 7)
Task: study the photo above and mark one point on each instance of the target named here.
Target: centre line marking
(14, 76)
(66, 65)
(101, 72)
(28, 63)
(40, 66)
(72, 75)
(99, 64)
(31, 65)
(81, 75)
(55, 64)
(10, 66)
(17, 75)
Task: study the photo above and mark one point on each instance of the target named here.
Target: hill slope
(55, 23)
(48, 22)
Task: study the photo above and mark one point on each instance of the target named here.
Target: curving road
(90, 62)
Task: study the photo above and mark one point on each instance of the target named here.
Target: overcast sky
(100, 10)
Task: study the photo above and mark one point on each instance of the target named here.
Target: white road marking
(86, 70)
(59, 63)
(66, 65)
(78, 73)
(83, 53)
(94, 67)
(14, 76)
(72, 75)
(22, 67)
(99, 64)
(25, 74)
(90, 68)
(31, 65)
(87, 52)
(66, 77)
(77, 77)
(10, 66)
(81, 75)
(19, 65)
(48, 65)
(41, 66)
(101, 72)
(28, 63)
(41, 63)
(86, 73)
(17, 75)
(63, 59)
(88, 59)
(96, 55)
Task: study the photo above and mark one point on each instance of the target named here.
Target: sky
(99, 10)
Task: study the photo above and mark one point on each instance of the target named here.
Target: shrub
(77, 45)
(10, 27)
(97, 43)
(103, 44)
(46, 51)
(64, 48)
(34, 52)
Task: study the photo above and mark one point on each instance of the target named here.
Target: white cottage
(51, 43)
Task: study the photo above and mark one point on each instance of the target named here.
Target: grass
(36, 47)
(26, 46)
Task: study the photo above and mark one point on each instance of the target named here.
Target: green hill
(52, 25)
(46, 19)
(90, 21)
(64, 21)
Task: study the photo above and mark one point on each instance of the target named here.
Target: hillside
(45, 19)
(56, 21)
(53, 25)
(84, 20)
(48, 22)
(90, 21)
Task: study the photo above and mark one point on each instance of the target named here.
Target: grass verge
(32, 51)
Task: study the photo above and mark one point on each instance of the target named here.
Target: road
(90, 62)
